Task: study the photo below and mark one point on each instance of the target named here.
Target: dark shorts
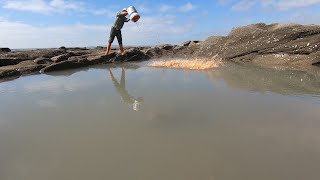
(115, 33)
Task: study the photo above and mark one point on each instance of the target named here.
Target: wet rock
(178, 48)
(42, 60)
(63, 66)
(153, 52)
(101, 58)
(9, 73)
(62, 57)
(46, 53)
(9, 61)
(5, 50)
(167, 47)
(77, 58)
(133, 54)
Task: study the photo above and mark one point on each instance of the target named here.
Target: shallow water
(139, 122)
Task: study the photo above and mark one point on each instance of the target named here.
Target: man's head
(124, 10)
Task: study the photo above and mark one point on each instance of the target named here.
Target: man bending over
(116, 30)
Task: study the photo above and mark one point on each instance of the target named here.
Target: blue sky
(54, 23)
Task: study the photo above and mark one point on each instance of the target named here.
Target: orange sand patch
(191, 64)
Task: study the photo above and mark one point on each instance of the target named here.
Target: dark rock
(44, 53)
(186, 43)
(30, 69)
(63, 48)
(5, 50)
(193, 44)
(62, 57)
(9, 73)
(62, 66)
(77, 58)
(42, 60)
(99, 47)
(9, 61)
(133, 54)
(153, 52)
(178, 48)
(167, 47)
(101, 58)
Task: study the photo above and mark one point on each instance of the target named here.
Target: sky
(87, 23)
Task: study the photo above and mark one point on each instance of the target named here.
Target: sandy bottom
(192, 64)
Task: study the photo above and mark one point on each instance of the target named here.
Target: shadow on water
(262, 80)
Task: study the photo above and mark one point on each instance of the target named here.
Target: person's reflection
(121, 89)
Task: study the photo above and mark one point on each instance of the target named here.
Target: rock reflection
(258, 79)
(132, 101)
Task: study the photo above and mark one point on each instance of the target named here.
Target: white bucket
(133, 14)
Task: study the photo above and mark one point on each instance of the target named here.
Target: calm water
(147, 123)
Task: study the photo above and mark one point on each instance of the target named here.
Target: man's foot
(121, 53)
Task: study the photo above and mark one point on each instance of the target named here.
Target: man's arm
(123, 13)
(127, 20)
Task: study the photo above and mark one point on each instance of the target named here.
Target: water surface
(138, 122)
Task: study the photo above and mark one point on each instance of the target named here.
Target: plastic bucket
(133, 14)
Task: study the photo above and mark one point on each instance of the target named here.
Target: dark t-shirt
(121, 19)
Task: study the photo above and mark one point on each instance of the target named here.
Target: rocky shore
(290, 45)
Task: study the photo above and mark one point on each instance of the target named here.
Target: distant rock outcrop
(5, 50)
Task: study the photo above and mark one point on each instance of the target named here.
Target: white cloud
(37, 6)
(276, 4)
(53, 6)
(151, 30)
(187, 7)
(243, 5)
(288, 4)
(65, 5)
(165, 8)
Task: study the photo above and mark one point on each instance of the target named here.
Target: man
(116, 30)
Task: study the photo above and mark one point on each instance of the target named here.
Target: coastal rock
(133, 54)
(9, 73)
(101, 58)
(9, 61)
(247, 43)
(153, 52)
(63, 48)
(62, 66)
(186, 44)
(167, 47)
(42, 60)
(62, 57)
(5, 50)
(28, 67)
(45, 53)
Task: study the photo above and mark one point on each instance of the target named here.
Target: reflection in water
(135, 103)
(257, 79)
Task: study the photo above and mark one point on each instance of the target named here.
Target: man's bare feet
(121, 53)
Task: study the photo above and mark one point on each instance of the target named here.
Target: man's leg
(119, 37)
(111, 38)
(108, 48)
